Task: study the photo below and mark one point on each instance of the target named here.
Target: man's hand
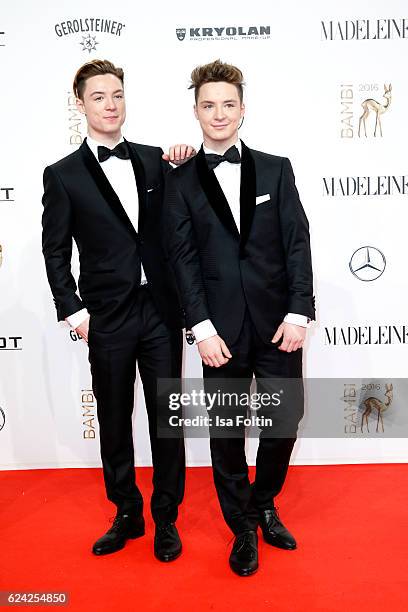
(178, 154)
(293, 337)
(83, 330)
(214, 352)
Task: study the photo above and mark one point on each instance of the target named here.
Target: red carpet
(350, 522)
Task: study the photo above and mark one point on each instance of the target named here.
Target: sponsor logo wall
(327, 90)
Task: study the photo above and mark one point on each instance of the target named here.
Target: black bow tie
(121, 151)
(232, 156)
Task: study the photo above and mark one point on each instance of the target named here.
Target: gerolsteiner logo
(88, 28)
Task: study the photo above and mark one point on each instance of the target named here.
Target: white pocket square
(262, 198)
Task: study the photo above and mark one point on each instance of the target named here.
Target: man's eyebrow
(103, 92)
(212, 102)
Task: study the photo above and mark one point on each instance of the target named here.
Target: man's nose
(110, 103)
(219, 112)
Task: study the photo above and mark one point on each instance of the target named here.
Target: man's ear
(242, 109)
(80, 106)
(195, 111)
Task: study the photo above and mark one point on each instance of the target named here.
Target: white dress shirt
(120, 175)
(229, 178)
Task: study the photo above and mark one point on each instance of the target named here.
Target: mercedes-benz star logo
(367, 263)
(2, 419)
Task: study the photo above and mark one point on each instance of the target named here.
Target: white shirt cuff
(203, 331)
(77, 318)
(297, 319)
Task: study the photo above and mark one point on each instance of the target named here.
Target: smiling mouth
(219, 126)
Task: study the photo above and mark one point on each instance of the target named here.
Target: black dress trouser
(143, 338)
(239, 499)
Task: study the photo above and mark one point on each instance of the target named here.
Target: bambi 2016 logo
(362, 110)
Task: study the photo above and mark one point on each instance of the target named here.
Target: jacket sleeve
(165, 165)
(296, 244)
(57, 245)
(181, 249)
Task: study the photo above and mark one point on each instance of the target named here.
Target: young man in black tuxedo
(108, 197)
(238, 240)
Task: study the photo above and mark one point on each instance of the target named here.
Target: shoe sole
(168, 558)
(246, 573)
(275, 545)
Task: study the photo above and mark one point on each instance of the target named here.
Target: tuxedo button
(141, 241)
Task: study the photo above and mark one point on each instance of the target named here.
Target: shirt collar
(237, 144)
(94, 144)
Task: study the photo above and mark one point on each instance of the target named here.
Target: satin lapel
(214, 193)
(247, 194)
(105, 187)
(140, 178)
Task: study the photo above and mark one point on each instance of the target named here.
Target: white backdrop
(304, 94)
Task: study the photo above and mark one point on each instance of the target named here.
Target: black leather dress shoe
(244, 555)
(274, 531)
(167, 543)
(125, 526)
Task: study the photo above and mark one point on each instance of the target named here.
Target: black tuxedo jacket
(219, 270)
(80, 204)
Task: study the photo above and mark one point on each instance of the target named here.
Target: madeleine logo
(2, 43)
(365, 186)
(365, 29)
(371, 335)
(2, 418)
(361, 114)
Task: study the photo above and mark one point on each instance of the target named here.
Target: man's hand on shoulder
(214, 352)
(179, 154)
(293, 337)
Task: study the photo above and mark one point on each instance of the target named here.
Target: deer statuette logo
(372, 106)
(373, 403)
